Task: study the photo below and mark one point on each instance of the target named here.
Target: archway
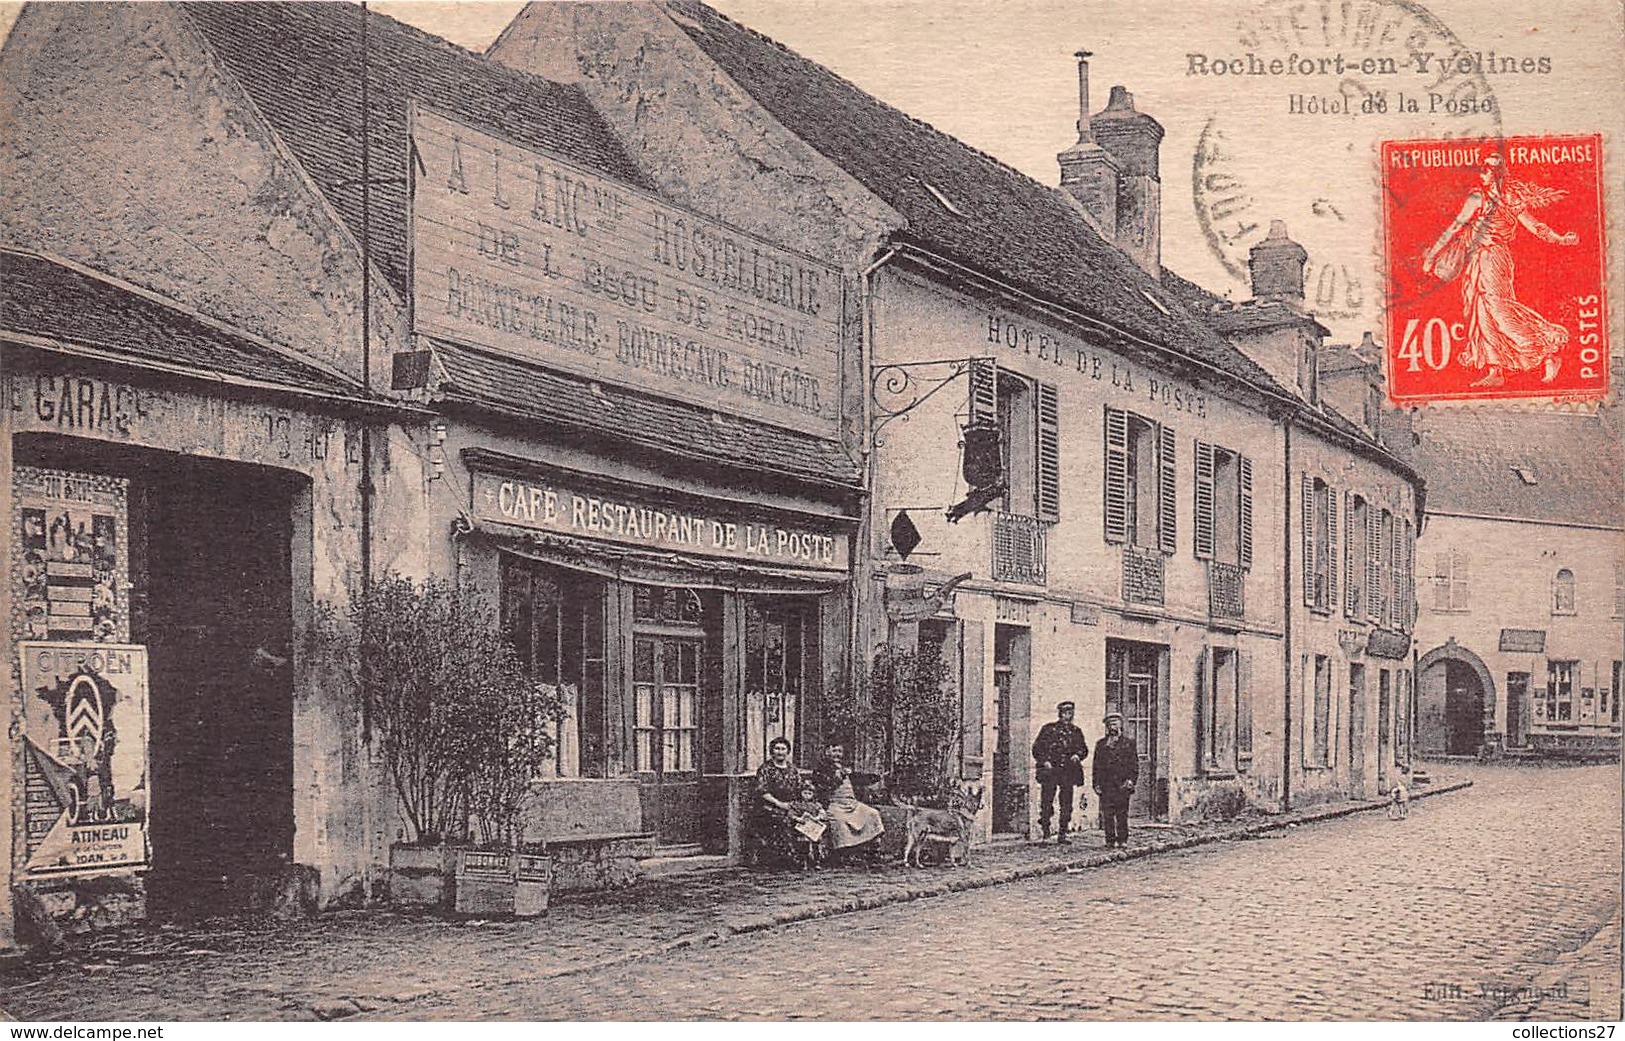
(1455, 702)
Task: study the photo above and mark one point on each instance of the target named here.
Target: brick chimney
(1276, 266)
(1089, 172)
(1134, 139)
(1273, 328)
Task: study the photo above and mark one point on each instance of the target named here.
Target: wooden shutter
(971, 658)
(1167, 490)
(1115, 513)
(1332, 556)
(1203, 520)
(1408, 618)
(1458, 582)
(1307, 495)
(984, 391)
(1351, 588)
(1373, 563)
(1244, 707)
(1204, 712)
(1245, 470)
(1441, 581)
(1049, 453)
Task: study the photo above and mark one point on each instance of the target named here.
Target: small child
(1399, 796)
(809, 820)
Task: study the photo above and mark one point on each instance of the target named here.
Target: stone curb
(905, 892)
(867, 902)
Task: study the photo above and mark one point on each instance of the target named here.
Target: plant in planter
(457, 721)
(904, 718)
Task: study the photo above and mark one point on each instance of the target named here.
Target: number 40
(1432, 347)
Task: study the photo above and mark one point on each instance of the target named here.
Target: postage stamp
(1494, 268)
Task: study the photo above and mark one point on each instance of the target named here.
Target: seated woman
(778, 786)
(852, 824)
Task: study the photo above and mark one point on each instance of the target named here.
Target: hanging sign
(84, 738)
(518, 251)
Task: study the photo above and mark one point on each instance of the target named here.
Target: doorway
(1356, 728)
(1517, 709)
(1385, 730)
(1463, 709)
(217, 618)
(1012, 685)
(1133, 683)
(676, 705)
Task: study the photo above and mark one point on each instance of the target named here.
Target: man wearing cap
(1059, 752)
(1117, 765)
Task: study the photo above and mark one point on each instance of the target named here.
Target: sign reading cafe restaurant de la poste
(518, 251)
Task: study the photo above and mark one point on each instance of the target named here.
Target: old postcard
(844, 511)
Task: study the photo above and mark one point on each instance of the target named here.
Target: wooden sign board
(518, 251)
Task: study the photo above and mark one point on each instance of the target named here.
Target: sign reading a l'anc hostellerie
(518, 251)
(570, 511)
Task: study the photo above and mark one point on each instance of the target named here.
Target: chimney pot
(1276, 266)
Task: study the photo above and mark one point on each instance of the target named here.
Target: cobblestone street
(1512, 884)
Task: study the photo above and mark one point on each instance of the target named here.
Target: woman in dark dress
(778, 784)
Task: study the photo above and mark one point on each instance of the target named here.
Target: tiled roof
(959, 203)
(629, 420)
(45, 299)
(1572, 464)
(301, 64)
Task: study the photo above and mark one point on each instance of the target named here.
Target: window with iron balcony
(1140, 512)
(1223, 520)
(1028, 415)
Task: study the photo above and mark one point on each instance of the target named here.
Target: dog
(1399, 800)
(951, 827)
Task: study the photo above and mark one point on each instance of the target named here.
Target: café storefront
(642, 441)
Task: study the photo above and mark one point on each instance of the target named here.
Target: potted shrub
(904, 720)
(459, 726)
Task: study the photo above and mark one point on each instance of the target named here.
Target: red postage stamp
(1495, 268)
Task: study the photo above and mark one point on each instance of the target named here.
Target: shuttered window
(1357, 538)
(1245, 473)
(1449, 581)
(1373, 565)
(1203, 513)
(1390, 572)
(1115, 513)
(1049, 453)
(1334, 558)
(1141, 482)
(1167, 490)
(1306, 498)
(984, 391)
(1222, 514)
(1407, 580)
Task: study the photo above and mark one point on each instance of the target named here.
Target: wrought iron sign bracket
(900, 388)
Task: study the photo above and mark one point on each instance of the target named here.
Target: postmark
(1494, 268)
(1329, 79)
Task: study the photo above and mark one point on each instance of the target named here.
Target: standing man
(1059, 752)
(1117, 765)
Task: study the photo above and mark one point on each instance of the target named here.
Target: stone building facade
(1521, 631)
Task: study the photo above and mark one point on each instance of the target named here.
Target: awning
(655, 567)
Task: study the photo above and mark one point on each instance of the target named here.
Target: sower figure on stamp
(1117, 765)
(1502, 333)
(1059, 753)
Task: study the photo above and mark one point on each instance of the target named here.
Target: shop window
(665, 695)
(778, 662)
(1563, 592)
(554, 618)
(667, 605)
(1223, 506)
(1140, 482)
(1560, 680)
(1450, 582)
(1319, 544)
